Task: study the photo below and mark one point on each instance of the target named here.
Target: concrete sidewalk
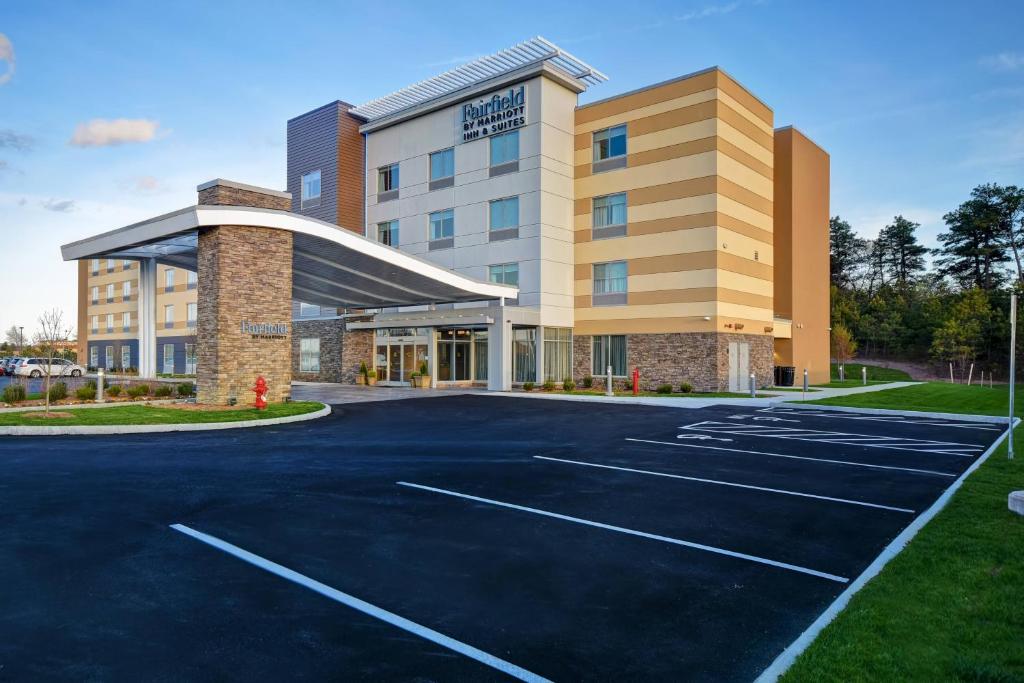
(335, 394)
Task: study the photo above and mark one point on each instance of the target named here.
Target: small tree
(52, 334)
(844, 347)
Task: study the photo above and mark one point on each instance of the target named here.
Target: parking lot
(467, 537)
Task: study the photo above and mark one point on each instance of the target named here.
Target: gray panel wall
(312, 145)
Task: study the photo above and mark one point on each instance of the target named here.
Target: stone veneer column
(245, 274)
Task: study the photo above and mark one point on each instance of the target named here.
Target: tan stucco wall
(801, 252)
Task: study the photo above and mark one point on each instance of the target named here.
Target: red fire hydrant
(636, 381)
(261, 393)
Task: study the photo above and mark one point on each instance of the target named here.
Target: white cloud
(709, 11)
(109, 132)
(20, 142)
(1004, 61)
(58, 205)
(7, 58)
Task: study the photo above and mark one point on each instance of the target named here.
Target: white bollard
(608, 382)
(864, 375)
(1016, 502)
(99, 385)
(753, 385)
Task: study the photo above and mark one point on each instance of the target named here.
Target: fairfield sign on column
(494, 113)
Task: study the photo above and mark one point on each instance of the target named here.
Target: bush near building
(14, 393)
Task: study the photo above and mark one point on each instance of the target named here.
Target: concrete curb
(87, 406)
(79, 430)
(689, 402)
(963, 417)
(804, 640)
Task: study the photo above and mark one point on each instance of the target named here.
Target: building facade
(642, 230)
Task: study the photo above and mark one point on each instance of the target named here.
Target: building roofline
(340, 104)
(670, 81)
(242, 186)
(802, 134)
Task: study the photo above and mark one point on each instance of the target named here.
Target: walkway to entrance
(334, 394)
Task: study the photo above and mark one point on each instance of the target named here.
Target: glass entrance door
(399, 355)
(395, 363)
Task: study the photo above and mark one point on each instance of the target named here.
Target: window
(192, 279)
(609, 350)
(505, 148)
(94, 294)
(126, 264)
(94, 266)
(442, 229)
(110, 265)
(169, 280)
(190, 359)
(504, 274)
(110, 322)
(169, 316)
(609, 143)
(610, 216)
(387, 183)
(110, 292)
(309, 354)
(169, 359)
(387, 233)
(557, 353)
(442, 168)
(126, 290)
(94, 356)
(524, 354)
(308, 310)
(95, 325)
(126, 357)
(310, 192)
(191, 311)
(610, 283)
(126, 321)
(504, 219)
(108, 358)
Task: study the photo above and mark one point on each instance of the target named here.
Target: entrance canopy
(331, 266)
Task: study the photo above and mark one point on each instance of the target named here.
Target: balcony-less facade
(640, 230)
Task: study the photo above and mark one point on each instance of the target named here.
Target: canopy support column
(147, 317)
(499, 352)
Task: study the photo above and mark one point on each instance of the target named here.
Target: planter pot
(421, 381)
(360, 379)
(371, 380)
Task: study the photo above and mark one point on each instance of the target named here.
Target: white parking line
(795, 457)
(898, 419)
(730, 483)
(364, 607)
(633, 532)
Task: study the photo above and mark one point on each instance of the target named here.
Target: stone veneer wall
(245, 273)
(356, 348)
(226, 195)
(330, 333)
(700, 358)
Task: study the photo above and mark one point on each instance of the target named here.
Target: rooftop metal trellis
(524, 54)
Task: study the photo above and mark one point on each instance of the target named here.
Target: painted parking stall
(509, 539)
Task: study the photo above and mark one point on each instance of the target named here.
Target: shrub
(686, 388)
(86, 392)
(527, 386)
(114, 390)
(548, 386)
(14, 393)
(163, 391)
(138, 390)
(588, 382)
(664, 389)
(568, 384)
(185, 389)
(58, 391)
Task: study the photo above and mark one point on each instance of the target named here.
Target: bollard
(636, 381)
(805, 380)
(753, 385)
(99, 385)
(842, 373)
(608, 382)
(864, 375)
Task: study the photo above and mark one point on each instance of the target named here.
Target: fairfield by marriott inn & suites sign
(494, 113)
(265, 330)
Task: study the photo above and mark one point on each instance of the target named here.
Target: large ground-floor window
(190, 359)
(309, 354)
(454, 355)
(169, 359)
(557, 353)
(524, 354)
(609, 349)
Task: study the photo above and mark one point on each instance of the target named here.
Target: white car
(36, 367)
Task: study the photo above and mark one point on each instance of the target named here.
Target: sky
(113, 112)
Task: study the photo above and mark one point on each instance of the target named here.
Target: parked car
(11, 364)
(36, 367)
(3, 366)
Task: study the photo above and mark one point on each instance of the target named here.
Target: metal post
(99, 385)
(805, 380)
(864, 375)
(1013, 371)
(842, 373)
(753, 385)
(608, 382)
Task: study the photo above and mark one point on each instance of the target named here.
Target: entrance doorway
(399, 353)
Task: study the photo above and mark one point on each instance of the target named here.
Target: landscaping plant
(568, 384)
(664, 389)
(185, 389)
(163, 391)
(138, 390)
(588, 382)
(57, 391)
(86, 392)
(686, 388)
(527, 386)
(114, 390)
(548, 386)
(13, 393)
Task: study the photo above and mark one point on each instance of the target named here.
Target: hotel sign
(494, 113)
(265, 330)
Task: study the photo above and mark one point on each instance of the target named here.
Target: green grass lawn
(875, 373)
(939, 397)
(145, 415)
(948, 608)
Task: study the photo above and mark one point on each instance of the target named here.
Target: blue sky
(915, 102)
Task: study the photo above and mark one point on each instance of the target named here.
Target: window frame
(169, 280)
(388, 190)
(168, 309)
(110, 322)
(606, 352)
(442, 241)
(126, 321)
(504, 165)
(609, 201)
(307, 200)
(503, 273)
(444, 180)
(305, 355)
(609, 297)
(304, 313)
(392, 229)
(502, 232)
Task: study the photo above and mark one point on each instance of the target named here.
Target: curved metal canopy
(331, 266)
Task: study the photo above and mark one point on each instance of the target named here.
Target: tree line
(887, 301)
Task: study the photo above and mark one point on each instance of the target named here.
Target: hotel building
(486, 225)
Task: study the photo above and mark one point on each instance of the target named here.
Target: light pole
(21, 340)
(1013, 370)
